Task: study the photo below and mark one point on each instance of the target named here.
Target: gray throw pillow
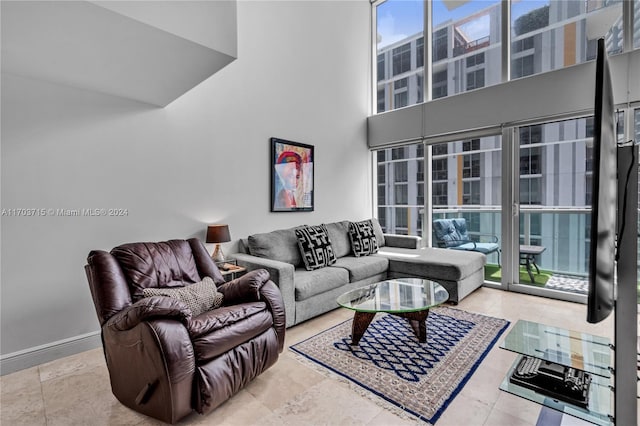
(199, 297)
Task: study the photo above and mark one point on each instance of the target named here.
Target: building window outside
(523, 44)
(530, 161)
(440, 196)
(401, 194)
(474, 60)
(439, 171)
(530, 191)
(381, 100)
(400, 99)
(531, 134)
(440, 46)
(439, 84)
(401, 59)
(471, 166)
(441, 149)
(471, 192)
(522, 66)
(381, 68)
(398, 153)
(400, 171)
(475, 79)
(471, 145)
(420, 52)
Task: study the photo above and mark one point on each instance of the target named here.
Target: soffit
(85, 45)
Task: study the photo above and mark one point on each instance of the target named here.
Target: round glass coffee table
(409, 298)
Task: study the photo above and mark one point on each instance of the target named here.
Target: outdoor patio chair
(452, 234)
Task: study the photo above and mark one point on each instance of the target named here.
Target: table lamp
(218, 234)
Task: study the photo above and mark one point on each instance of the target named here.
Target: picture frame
(292, 176)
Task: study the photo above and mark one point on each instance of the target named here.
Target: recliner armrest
(245, 288)
(156, 307)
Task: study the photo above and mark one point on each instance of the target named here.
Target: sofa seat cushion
(434, 263)
(281, 245)
(485, 248)
(216, 332)
(310, 283)
(361, 268)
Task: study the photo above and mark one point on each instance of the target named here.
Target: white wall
(302, 74)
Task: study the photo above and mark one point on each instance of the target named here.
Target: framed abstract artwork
(291, 176)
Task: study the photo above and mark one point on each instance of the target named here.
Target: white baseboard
(37, 355)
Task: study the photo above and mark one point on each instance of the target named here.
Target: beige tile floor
(75, 390)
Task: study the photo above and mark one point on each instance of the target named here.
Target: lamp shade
(218, 234)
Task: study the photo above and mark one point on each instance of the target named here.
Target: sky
(399, 19)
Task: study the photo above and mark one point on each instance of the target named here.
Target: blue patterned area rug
(419, 378)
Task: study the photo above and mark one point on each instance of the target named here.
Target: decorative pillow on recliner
(199, 297)
(315, 247)
(363, 238)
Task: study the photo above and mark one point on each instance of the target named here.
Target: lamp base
(217, 255)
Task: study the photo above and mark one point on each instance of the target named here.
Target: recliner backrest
(450, 232)
(118, 278)
(156, 265)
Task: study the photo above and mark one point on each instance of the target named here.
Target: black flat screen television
(604, 195)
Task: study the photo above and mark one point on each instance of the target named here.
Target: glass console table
(582, 351)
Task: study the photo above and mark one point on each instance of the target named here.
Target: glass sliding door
(555, 178)
(467, 184)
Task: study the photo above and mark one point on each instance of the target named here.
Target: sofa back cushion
(339, 236)
(377, 230)
(154, 265)
(281, 245)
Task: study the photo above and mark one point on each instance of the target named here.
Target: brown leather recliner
(163, 361)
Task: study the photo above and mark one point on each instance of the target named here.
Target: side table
(230, 269)
(528, 256)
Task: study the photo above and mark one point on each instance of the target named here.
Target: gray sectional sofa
(308, 294)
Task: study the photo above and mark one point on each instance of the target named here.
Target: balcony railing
(471, 46)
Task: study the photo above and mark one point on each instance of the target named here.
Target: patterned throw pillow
(199, 297)
(363, 238)
(315, 247)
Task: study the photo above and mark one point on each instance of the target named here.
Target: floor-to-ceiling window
(400, 189)
(466, 46)
(555, 202)
(548, 35)
(551, 164)
(400, 54)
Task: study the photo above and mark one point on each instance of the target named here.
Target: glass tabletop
(395, 295)
(571, 348)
